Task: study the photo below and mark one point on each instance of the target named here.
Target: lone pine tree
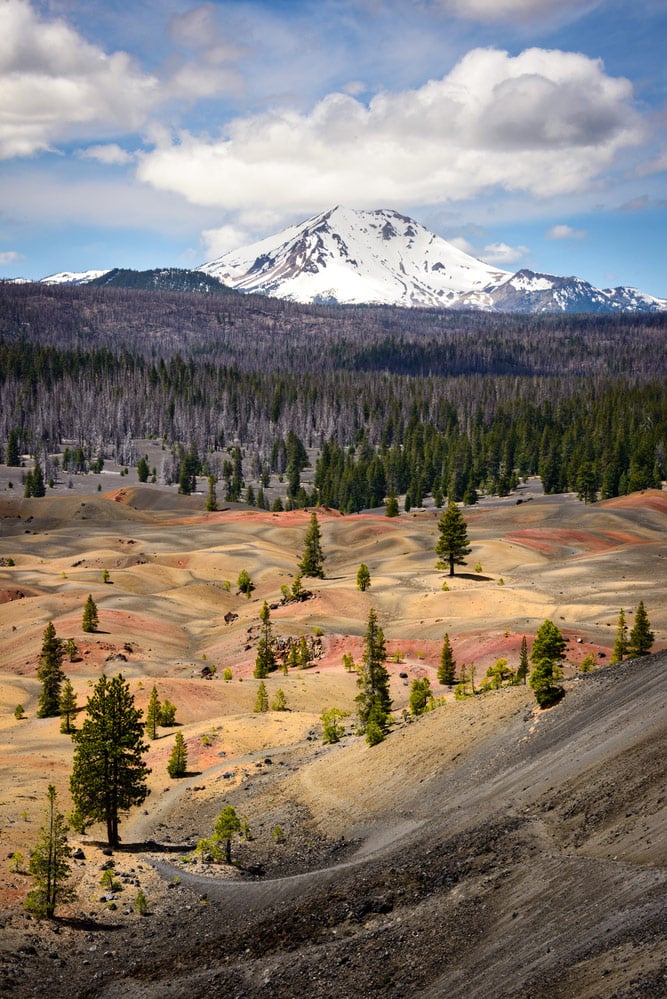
(620, 649)
(49, 863)
(50, 674)
(265, 661)
(641, 637)
(447, 667)
(178, 761)
(312, 560)
(452, 544)
(373, 699)
(90, 618)
(153, 714)
(109, 774)
(67, 707)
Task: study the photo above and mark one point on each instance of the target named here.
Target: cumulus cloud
(502, 253)
(218, 241)
(513, 10)
(565, 232)
(544, 123)
(55, 85)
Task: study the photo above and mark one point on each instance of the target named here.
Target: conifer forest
(377, 400)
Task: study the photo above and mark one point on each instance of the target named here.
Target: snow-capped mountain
(527, 291)
(348, 256)
(382, 257)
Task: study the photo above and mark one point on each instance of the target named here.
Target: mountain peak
(354, 256)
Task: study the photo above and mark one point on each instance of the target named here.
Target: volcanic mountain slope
(351, 256)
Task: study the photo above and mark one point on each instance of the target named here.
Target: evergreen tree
(523, 670)
(211, 498)
(304, 658)
(90, 619)
(109, 774)
(620, 649)
(38, 487)
(245, 583)
(219, 844)
(12, 453)
(452, 543)
(542, 680)
(332, 728)
(391, 508)
(67, 706)
(279, 702)
(265, 661)
(363, 577)
(143, 470)
(262, 701)
(178, 761)
(421, 695)
(447, 667)
(641, 637)
(312, 560)
(549, 644)
(50, 674)
(153, 714)
(373, 700)
(49, 863)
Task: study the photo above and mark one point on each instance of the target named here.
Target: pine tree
(373, 700)
(153, 714)
(523, 670)
(452, 545)
(90, 618)
(641, 637)
(38, 487)
(219, 844)
(265, 661)
(547, 653)
(50, 674)
(109, 774)
(332, 728)
(262, 702)
(391, 506)
(178, 761)
(363, 577)
(12, 453)
(549, 643)
(447, 667)
(67, 706)
(620, 649)
(143, 470)
(211, 498)
(49, 863)
(279, 702)
(420, 695)
(312, 560)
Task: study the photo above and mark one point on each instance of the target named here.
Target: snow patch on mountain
(72, 277)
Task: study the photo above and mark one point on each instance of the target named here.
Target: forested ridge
(415, 401)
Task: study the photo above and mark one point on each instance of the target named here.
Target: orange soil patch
(549, 540)
(652, 499)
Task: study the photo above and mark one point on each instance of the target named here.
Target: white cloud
(207, 68)
(219, 241)
(544, 123)
(565, 232)
(461, 243)
(110, 154)
(501, 253)
(9, 257)
(55, 85)
(513, 10)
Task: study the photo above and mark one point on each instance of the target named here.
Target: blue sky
(531, 133)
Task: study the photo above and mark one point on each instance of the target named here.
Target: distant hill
(161, 279)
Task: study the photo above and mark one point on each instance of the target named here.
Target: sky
(530, 133)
